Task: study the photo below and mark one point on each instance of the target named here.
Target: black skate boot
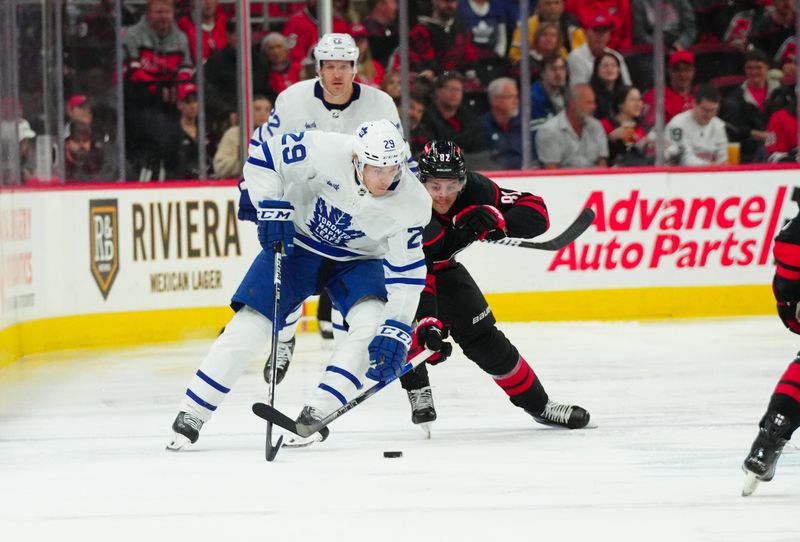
(760, 463)
(187, 430)
(307, 416)
(558, 414)
(423, 412)
(326, 334)
(285, 353)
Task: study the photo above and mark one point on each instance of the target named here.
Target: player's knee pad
(491, 350)
(247, 333)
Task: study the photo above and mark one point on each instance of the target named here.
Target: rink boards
(123, 264)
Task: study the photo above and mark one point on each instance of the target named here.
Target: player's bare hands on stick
(481, 222)
(430, 333)
(388, 350)
(275, 225)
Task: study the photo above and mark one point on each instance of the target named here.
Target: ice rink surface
(82, 438)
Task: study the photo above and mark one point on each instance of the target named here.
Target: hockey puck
(392, 454)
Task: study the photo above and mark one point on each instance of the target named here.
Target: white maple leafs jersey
(336, 216)
(301, 107)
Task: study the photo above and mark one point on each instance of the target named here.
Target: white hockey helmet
(336, 47)
(380, 144)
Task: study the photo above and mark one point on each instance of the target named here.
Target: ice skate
(284, 355)
(759, 465)
(561, 415)
(326, 335)
(307, 416)
(187, 430)
(423, 412)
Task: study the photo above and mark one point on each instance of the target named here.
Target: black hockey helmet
(442, 159)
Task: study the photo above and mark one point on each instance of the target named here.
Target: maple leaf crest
(332, 227)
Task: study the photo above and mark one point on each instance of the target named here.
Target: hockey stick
(573, 231)
(272, 450)
(272, 415)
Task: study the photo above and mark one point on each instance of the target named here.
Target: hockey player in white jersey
(345, 208)
(333, 102)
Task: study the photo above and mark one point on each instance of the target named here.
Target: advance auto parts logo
(104, 242)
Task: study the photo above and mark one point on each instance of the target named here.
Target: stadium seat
(639, 59)
(726, 84)
(716, 59)
(477, 102)
(489, 69)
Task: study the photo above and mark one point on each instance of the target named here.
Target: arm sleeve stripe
(418, 282)
(261, 163)
(400, 269)
(260, 135)
(254, 142)
(432, 241)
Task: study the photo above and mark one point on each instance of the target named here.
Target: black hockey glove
(481, 222)
(430, 333)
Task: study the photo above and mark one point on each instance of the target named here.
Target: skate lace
(422, 398)
(192, 421)
(284, 354)
(557, 412)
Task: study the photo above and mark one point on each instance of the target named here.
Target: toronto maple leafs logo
(331, 227)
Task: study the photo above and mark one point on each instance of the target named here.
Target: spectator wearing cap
(581, 60)
(678, 92)
(79, 110)
(618, 12)
(441, 42)
(381, 25)
(697, 137)
(213, 24)
(573, 138)
(486, 20)
(369, 72)
(447, 118)
(228, 158)
(502, 125)
(276, 66)
(157, 60)
(86, 159)
(182, 159)
(746, 112)
(677, 18)
(301, 31)
(549, 11)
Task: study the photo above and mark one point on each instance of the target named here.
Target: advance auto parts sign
(104, 242)
(718, 231)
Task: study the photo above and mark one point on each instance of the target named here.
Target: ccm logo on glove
(275, 214)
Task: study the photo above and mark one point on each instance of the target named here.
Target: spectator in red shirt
(213, 23)
(617, 11)
(301, 31)
(279, 70)
(782, 128)
(627, 143)
(370, 72)
(441, 43)
(447, 118)
(678, 92)
(157, 64)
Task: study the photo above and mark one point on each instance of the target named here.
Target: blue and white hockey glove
(388, 350)
(246, 210)
(275, 225)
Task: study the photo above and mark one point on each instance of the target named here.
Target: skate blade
(177, 443)
(426, 428)
(750, 484)
(300, 442)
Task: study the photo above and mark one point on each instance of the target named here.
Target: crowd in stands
(730, 73)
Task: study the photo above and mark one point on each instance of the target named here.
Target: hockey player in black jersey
(783, 412)
(469, 207)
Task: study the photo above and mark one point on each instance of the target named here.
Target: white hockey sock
(246, 336)
(345, 374)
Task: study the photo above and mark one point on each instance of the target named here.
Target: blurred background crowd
(729, 81)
